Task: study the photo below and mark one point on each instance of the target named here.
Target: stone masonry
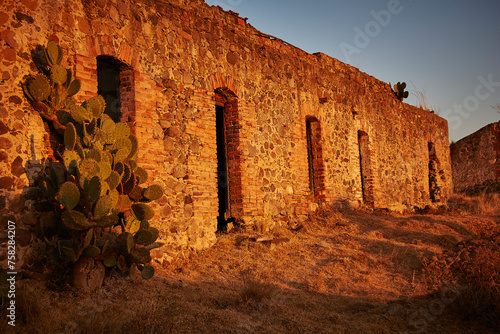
(233, 123)
(476, 163)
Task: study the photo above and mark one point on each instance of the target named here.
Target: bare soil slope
(343, 272)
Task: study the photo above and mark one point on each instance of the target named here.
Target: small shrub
(255, 291)
(489, 204)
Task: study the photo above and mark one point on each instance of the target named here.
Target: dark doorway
(365, 167)
(108, 85)
(310, 155)
(315, 157)
(222, 167)
(228, 158)
(434, 189)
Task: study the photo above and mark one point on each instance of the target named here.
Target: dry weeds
(485, 204)
(346, 271)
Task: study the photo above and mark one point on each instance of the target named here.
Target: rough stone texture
(180, 58)
(476, 161)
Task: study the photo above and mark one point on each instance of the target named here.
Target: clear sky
(447, 49)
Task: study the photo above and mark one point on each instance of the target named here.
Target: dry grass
(346, 271)
(254, 291)
(422, 99)
(485, 204)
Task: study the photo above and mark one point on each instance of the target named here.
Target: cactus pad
(121, 131)
(68, 195)
(129, 242)
(63, 116)
(132, 225)
(71, 159)
(70, 136)
(136, 193)
(153, 192)
(118, 167)
(105, 168)
(129, 185)
(89, 168)
(107, 157)
(122, 143)
(108, 221)
(140, 255)
(122, 154)
(39, 87)
(91, 251)
(74, 87)
(133, 150)
(88, 238)
(148, 271)
(54, 53)
(124, 203)
(141, 174)
(155, 233)
(105, 189)
(58, 74)
(399, 91)
(133, 270)
(132, 163)
(102, 207)
(80, 114)
(75, 220)
(144, 225)
(108, 126)
(96, 105)
(113, 180)
(143, 237)
(94, 154)
(94, 188)
(110, 262)
(114, 197)
(142, 211)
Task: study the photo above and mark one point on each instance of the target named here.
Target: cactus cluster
(51, 91)
(98, 204)
(399, 91)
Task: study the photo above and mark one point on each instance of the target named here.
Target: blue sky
(450, 50)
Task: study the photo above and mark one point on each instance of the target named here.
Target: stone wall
(475, 161)
(178, 59)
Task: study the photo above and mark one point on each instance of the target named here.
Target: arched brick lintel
(220, 81)
(104, 45)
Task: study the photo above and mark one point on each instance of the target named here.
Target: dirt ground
(341, 272)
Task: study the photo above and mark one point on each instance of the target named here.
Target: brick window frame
(315, 158)
(126, 91)
(366, 168)
(225, 98)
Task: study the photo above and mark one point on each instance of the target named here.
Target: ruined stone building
(476, 163)
(233, 123)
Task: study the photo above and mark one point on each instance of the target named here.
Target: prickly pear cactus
(99, 209)
(399, 91)
(51, 90)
